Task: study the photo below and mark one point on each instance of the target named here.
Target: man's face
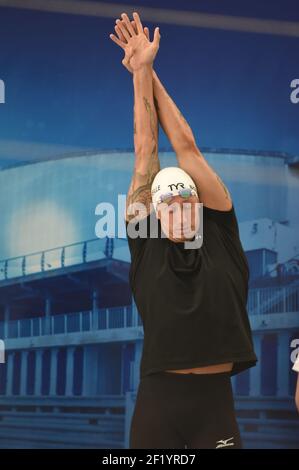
(179, 217)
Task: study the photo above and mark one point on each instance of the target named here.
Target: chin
(181, 239)
(184, 238)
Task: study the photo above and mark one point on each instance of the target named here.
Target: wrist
(144, 68)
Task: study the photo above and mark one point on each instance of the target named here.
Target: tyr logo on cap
(176, 186)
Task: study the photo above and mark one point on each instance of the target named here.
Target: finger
(146, 32)
(128, 24)
(156, 37)
(117, 41)
(145, 29)
(123, 29)
(120, 34)
(134, 26)
(138, 22)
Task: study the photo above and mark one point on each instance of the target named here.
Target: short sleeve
(296, 365)
(137, 244)
(225, 219)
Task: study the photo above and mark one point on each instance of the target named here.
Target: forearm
(213, 191)
(145, 141)
(171, 119)
(145, 116)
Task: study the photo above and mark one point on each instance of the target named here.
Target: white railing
(264, 300)
(101, 319)
(59, 257)
(273, 300)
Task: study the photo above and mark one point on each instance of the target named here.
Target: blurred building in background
(73, 336)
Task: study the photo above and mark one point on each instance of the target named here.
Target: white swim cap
(171, 180)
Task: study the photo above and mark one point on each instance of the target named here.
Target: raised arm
(213, 192)
(142, 53)
(145, 141)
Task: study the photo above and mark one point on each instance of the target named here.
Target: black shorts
(179, 411)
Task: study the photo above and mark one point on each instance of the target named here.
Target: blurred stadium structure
(72, 333)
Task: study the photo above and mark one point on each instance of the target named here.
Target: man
(192, 301)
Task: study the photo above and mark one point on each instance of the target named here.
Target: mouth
(183, 232)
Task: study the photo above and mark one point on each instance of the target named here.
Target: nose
(186, 217)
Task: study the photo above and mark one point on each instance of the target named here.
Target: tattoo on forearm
(153, 119)
(143, 192)
(143, 182)
(154, 160)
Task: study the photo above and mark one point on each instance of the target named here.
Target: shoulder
(225, 219)
(138, 231)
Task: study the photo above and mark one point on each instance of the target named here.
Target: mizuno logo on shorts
(224, 443)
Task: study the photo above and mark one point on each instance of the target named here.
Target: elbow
(184, 141)
(186, 148)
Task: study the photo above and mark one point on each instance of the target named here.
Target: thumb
(157, 36)
(129, 53)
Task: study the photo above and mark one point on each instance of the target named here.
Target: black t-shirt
(192, 302)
